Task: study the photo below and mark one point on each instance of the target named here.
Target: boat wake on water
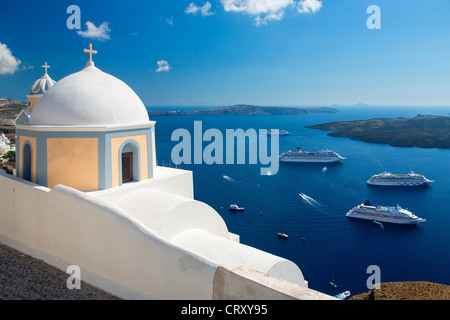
(242, 184)
(229, 178)
(319, 207)
(310, 200)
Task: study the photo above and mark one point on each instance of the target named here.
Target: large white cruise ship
(306, 156)
(370, 211)
(404, 180)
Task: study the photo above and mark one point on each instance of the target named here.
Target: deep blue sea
(335, 247)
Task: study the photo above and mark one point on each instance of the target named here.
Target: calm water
(335, 247)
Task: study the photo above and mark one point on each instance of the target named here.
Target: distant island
(243, 109)
(424, 131)
(358, 105)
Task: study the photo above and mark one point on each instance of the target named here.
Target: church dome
(41, 85)
(89, 97)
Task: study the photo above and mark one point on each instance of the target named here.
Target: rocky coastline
(415, 290)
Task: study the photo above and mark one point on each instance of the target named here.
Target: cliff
(417, 290)
(6, 103)
(9, 110)
(424, 131)
(243, 109)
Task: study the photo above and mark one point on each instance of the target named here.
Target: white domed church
(39, 87)
(89, 132)
(88, 193)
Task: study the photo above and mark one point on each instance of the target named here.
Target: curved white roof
(227, 252)
(168, 214)
(41, 85)
(89, 97)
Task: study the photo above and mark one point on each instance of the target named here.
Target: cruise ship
(271, 132)
(404, 180)
(306, 156)
(370, 211)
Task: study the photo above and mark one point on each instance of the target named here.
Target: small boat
(282, 235)
(343, 295)
(324, 169)
(332, 283)
(235, 207)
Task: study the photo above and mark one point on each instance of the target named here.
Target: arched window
(129, 159)
(26, 161)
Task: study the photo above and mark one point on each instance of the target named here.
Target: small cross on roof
(46, 66)
(90, 51)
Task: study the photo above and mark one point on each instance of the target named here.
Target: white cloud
(256, 7)
(192, 8)
(204, 10)
(309, 6)
(269, 10)
(170, 21)
(163, 65)
(8, 63)
(100, 33)
(264, 10)
(271, 16)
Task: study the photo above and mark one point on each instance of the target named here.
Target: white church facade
(88, 192)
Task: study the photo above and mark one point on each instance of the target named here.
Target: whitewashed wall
(108, 245)
(121, 255)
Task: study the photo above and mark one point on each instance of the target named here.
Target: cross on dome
(90, 51)
(46, 66)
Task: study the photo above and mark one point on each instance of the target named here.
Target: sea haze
(334, 246)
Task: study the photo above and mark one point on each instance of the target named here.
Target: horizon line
(362, 105)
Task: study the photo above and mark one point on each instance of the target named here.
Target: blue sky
(224, 52)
